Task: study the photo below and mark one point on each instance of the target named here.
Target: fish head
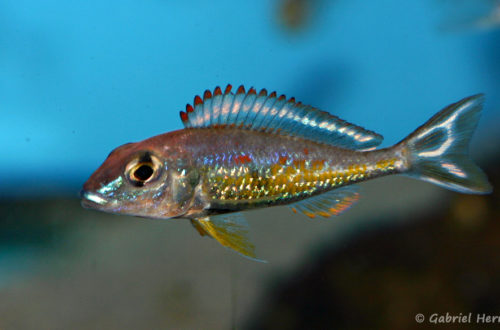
(142, 180)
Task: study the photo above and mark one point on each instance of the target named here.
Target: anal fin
(327, 204)
(230, 230)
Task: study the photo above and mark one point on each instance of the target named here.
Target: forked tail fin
(438, 150)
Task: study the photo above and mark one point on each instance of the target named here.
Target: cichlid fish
(241, 151)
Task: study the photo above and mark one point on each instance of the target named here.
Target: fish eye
(143, 172)
(143, 169)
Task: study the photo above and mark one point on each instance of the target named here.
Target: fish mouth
(92, 200)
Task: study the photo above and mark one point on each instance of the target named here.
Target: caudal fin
(438, 150)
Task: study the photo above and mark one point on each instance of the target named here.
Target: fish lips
(91, 200)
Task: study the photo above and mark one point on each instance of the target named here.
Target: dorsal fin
(273, 114)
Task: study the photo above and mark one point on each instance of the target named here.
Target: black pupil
(143, 173)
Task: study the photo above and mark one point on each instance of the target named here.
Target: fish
(245, 150)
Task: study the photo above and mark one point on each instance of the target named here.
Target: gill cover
(182, 188)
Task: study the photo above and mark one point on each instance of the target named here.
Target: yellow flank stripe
(386, 164)
(293, 178)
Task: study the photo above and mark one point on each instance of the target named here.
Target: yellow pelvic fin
(199, 228)
(229, 230)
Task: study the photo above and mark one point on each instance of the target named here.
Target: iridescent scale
(268, 173)
(283, 177)
(247, 150)
(260, 149)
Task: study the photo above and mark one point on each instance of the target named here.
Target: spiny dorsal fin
(230, 230)
(327, 204)
(273, 114)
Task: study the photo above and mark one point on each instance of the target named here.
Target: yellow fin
(230, 231)
(199, 228)
(327, 204)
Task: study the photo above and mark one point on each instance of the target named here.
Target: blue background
(78, 79)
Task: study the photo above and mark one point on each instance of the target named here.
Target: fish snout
(92, 184)
(91, 200)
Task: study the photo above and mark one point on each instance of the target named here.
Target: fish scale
(281, 168)
(245, 150)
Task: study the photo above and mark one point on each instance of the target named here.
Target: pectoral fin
(231, 231)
